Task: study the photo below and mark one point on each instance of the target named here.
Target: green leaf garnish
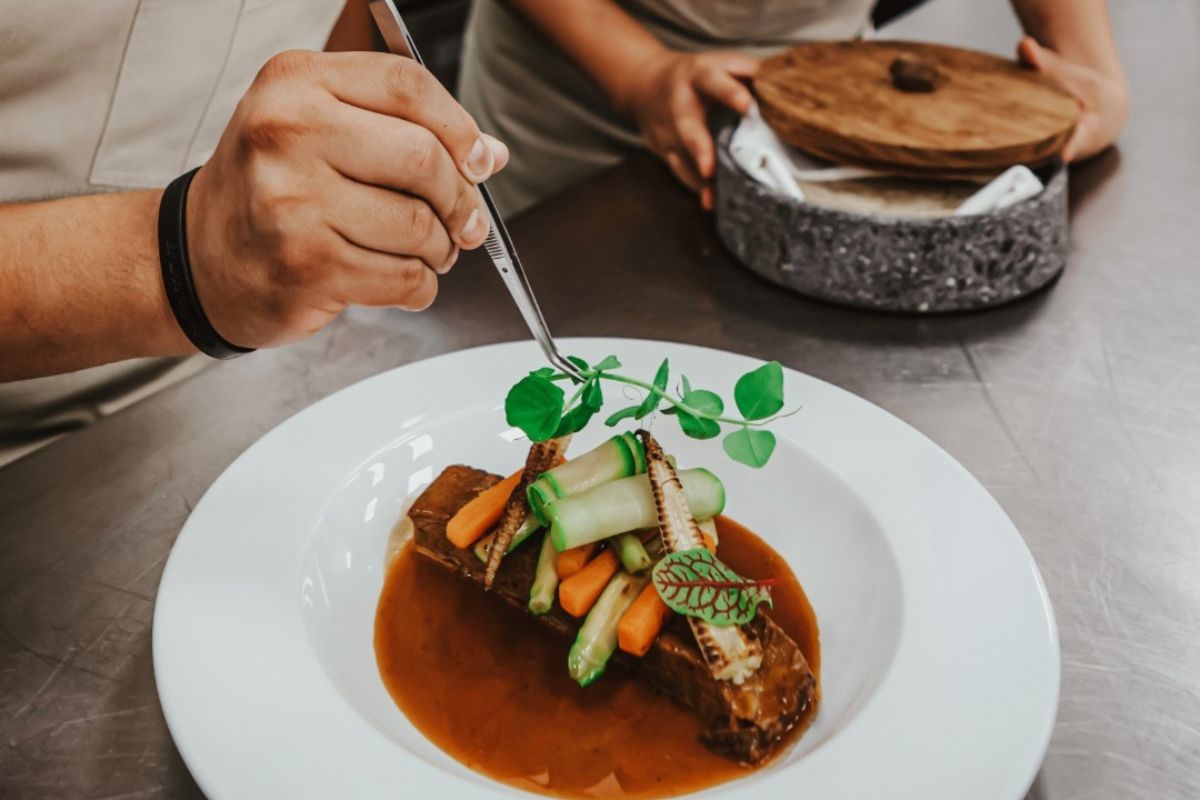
(696, 584)
(539, 406)
(573, 421)
(660, 384)
(750, 447)
(622, 415)
(591, 398)
(535, 405)
(698, 427)
(593, 395)
(759, 393)
(704, 400)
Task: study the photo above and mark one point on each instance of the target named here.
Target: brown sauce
(491, 689)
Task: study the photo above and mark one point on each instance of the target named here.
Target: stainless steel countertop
(1076, 408)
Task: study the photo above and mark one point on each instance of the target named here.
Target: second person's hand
(669, 100)
(343, 178)
(1103, 99)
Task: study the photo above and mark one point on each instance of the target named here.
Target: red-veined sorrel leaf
(695, 583)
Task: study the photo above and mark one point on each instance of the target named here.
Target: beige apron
(557, 121)
(122, 94)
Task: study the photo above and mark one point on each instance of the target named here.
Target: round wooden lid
(920, 107)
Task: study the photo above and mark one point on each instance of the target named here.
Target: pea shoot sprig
(542, 410)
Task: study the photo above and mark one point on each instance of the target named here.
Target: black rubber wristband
(177, 274)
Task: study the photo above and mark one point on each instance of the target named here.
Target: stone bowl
(912, 264)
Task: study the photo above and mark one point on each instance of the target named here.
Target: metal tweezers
(498, 244)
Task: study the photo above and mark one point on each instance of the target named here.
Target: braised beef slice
(743, 722)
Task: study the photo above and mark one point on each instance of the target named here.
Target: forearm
(600, 37)
(1078, 30)
(80, 285)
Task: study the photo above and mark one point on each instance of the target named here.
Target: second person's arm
(664, 91)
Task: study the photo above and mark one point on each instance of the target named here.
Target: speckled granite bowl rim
(1055, 170)
(866, 259)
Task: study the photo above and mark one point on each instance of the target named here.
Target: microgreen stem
(679, 404)
(575, 396)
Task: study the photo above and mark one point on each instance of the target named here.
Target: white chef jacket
(557, 122)
(106, 95)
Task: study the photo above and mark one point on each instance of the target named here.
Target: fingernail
(450, 262)
(499, 150)
(479, 161)
(475, 229)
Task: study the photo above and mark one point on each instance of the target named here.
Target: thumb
(737, 64)
(1083, 141)
(1029, 52)
(500, 154)
(1061, 71)
(725, 89)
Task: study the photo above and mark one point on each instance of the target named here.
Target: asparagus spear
(545, 579)
(632, 552)
(597, 638)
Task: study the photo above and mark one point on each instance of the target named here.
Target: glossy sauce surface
(489, 686)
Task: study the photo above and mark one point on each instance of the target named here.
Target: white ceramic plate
(940, 655)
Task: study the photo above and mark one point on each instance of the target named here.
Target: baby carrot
(640, 626)
(578, 593)
(481, 513)
(571, 561)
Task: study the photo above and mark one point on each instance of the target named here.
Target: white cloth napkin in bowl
(778, 166)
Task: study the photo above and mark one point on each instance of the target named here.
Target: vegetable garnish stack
(628, 562)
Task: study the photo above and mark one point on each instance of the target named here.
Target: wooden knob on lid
(913, 74)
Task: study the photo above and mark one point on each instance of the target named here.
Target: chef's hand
(668, 102)
(1104, 99)
(343, 178)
